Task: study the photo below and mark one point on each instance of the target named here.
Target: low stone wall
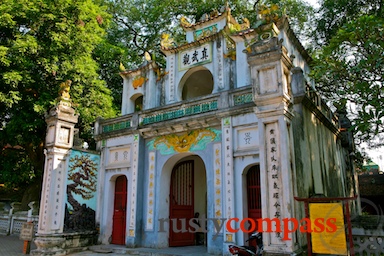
(65, 243)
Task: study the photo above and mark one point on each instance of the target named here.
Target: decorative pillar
(61, 121)
(270, 73)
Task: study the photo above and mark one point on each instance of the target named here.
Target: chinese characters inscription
(196, 56)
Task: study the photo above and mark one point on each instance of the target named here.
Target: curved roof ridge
(191, 44)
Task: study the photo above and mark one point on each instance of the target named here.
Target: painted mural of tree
(82, 174)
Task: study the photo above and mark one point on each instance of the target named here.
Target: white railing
(12, 220)
(368, 236)
(368, 245)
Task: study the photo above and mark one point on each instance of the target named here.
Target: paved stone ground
(12, 246)
(114, 250)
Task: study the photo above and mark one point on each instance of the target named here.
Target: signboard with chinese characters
(26, 232)
(195, 56)
(332, 239)
(119, 157)
(247, 139)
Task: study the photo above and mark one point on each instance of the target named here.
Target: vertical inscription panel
(171, 78)
(64, 133)
(220, 68)
(47, 185)
(58, 174)
(268, 80)
(228, 174)
(217, 175)
(274, 177)
(135, 154)
(151, 191)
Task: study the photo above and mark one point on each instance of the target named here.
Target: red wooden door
(253, 193)
(119, 212)
(181, 206)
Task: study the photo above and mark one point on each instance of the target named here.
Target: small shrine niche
(138, 101)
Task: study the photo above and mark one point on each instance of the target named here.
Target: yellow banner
(328, 232)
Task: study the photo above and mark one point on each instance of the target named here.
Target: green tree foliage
(43, 43)
(109, 54)
(299, 12)
(332, 15)
(349, 61)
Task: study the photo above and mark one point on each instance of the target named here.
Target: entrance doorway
(185, 194)
(119, 211)
(182, 203)
(253, 193)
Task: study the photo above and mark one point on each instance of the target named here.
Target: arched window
(196, 82)
(137, 100)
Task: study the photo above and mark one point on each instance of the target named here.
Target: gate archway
(175, 184)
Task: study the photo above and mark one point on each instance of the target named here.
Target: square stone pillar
(61, 121)
(271, 74)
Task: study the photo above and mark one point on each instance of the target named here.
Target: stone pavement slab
(12, 245)
(115, 250)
